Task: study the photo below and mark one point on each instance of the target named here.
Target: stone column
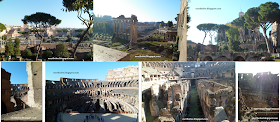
(120, 32)
(127, 29)
(123, 36)
(114, 27)
(131, 31)
(135, 31)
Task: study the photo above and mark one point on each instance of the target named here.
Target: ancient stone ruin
(117, 95)
(120, 28)
(22, 102)
(180, 91)
(258, 96)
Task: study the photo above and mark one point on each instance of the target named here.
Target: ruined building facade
(22, 100)
(259, 95)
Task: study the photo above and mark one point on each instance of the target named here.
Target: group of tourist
(88, 117)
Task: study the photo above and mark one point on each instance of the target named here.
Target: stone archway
(207, 58)
(238, 58)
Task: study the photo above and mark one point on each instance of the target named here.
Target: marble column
(131, 30)
(127, 29)
(135, 30)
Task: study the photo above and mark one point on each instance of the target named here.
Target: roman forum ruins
(22, 102)
(181, 91)
(115, 99)
(258, 96)
(120, 28)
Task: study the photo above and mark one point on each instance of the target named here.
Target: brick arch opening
(207, 58)
(238, 58)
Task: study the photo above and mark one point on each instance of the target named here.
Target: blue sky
(145, 10)
(82, 70)
(12, 11)
(228, 12)
(17, 70)
(256, 67)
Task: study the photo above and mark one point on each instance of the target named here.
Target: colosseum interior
(258, 97)
(181, 91)
(22, 102)
(115, 99)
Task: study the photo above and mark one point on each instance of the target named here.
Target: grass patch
(154, 43)
(116, 44)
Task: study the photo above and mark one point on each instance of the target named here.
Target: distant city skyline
(225, 12)
(12, 11)
(145, 10)
(82, 70)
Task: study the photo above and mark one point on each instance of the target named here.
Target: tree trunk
(266, 40)
(39, 46)
(81, 39)
(204, 37)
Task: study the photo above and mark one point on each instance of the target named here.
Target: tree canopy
(40, 18)
(221, 32)
(206, 28)
(81, 6)
(61, 51)
(2, 27)
(263, 16)
(233, 37)
(169, 24)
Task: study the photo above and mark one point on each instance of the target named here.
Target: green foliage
(79, 30)
(26, 53)
(52, 37)
(24, 32)
(62, 51)
(4, 37)
(206, 28)
(2, 27)
(262, 47)
(16, 47)
(47, 54)
(69, 39)
(145, 44)
(116, 44)
(263, 16)
(169, 24)
(102, 27)
(44, 39)
(9, 48)
(233, 37)
(41, 18)
(89, 56)
(56, 39)
(239, 22)
(59, 31)
(224, 47)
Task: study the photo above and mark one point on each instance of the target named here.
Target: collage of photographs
(139, 60)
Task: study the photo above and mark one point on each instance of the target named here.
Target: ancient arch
(207, 58)
(239, 58)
